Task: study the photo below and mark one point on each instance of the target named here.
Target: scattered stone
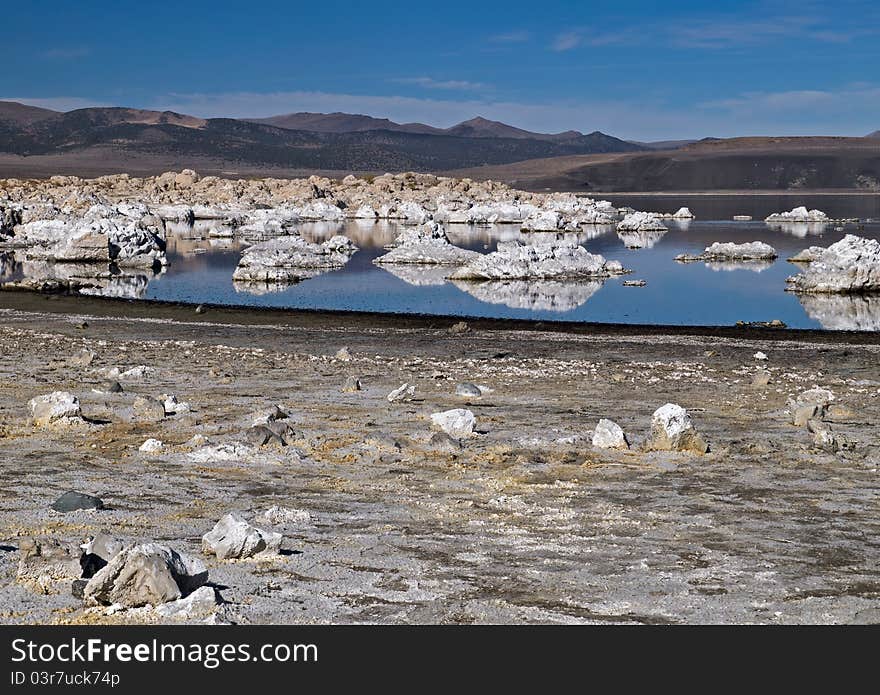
(273, 414)
(458, 422)
(145, 574)
(173, 406)
(72, 501)
(283, 516)
(458, 328)
(147, 409)
(839, 413)
(672, 430)
(151, 446)
(343, 355)
(760, 356)
(200, 309)
(234, 538)
(44, 563)
(761, 378)
(804, 413)
(352, 384)
(609, 435)
(111, 386)
(443, 442)
(635, 283)
(97, 552)
(468, 390)
(404, 392)
(200, 603)
(262, 435)
(82, 359)
(54, 407)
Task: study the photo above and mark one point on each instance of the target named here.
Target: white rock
(516, 261)
(457, 423)
(426, 245)
(609, 435)
(283, 516)
(55, 406)
(728, 251)
(640, 222)
(233, 537)
(760, 355)
(852, 265)
(151, 446)
(798, 214)
(292, 258)
(404, 392)
(683, 214)
(672, 430)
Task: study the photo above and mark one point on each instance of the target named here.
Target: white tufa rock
(234, 538)
(404, 392)
(457, 423)
(852, 265)
(291, 259)
(798, 214)
(58, 405)
(151, 446)
(609, 435)
(728, 251)
(516, 261)
(640, 222)
(672, 430)
(283, 516)
(760, 355)
(428, 245)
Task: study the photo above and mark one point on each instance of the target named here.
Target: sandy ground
(527, 522)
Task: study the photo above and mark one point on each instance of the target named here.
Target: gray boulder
(147, 574)
(234, 538)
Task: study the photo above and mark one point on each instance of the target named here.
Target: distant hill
(753, 163)
(22, 114)
(342, 123)
(331, 142)
(875, 134)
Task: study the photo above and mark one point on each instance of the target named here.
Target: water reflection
(640, 240)
(755, 266)
(419, 275)
(843, 312)
(799, 229)
(535, 295)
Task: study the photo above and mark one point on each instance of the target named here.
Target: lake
(200, 271)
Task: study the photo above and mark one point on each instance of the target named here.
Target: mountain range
(342, 142)
(95, 141)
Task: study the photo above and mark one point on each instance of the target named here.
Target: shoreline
(243, 315)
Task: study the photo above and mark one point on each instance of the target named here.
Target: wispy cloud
(431, 83)
(859, 97)
(566, 41)
(66, 52)
(727, 31)
(510, 37)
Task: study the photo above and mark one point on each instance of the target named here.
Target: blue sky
(641, 70)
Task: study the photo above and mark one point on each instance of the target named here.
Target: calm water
(200, 270)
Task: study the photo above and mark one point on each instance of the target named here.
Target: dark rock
(71, 501)
(111, 387)
(77, 588)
